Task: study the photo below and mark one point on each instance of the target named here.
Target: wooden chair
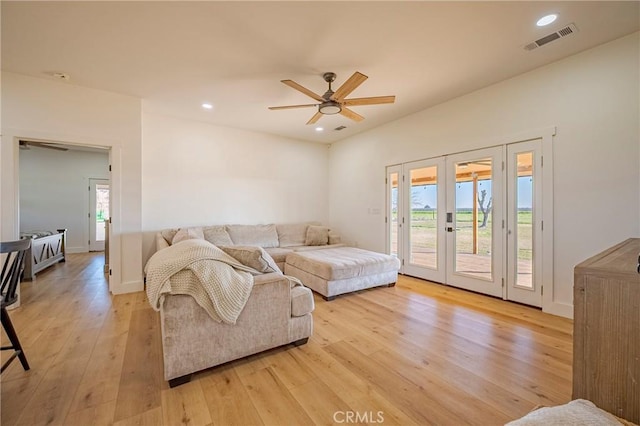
(12, 268)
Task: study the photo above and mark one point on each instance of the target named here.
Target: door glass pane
(102, 209)
(393, 223)
(524, 213)
(473, 207)
(424, 217)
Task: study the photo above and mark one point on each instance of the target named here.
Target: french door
(524, 220)
(475, 221)
(471, 220)
(423, 222)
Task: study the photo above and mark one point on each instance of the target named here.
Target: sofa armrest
(273, 289)
(301, 301)
(301, 298)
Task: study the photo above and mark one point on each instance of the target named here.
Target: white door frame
(11, 226)
(391, 170)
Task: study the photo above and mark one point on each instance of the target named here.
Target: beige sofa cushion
(301, 301)
(317, 236)
(184, 234)
(309, 248)
(343, 262)
(217, 235)
(292, 234)
(253, 257)
(253, 235)
(278, 254)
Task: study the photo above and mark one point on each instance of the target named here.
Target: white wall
(35, 108)
(54, 191)
(196, 173)
(592, 99)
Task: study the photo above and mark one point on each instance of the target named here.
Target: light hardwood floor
(417, 353)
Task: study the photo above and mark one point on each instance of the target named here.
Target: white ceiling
(177, 55)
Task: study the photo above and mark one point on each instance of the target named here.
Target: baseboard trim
(127, 287)
(560, 309)
(76, 250)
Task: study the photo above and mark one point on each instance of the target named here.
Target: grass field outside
(423, 232)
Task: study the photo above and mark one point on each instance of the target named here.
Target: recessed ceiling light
(207, 106)
(319, 129)
(546, 20)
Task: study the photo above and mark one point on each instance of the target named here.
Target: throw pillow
(317, 236)
(253, 257)
(168, 235)
(334, 238)
(291, 235)
(217, 235)
(184, 234)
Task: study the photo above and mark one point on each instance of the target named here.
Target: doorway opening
(52, 191)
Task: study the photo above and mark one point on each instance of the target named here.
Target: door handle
(449, 229)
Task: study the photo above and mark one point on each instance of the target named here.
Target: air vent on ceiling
(340, 128)
(566, 31)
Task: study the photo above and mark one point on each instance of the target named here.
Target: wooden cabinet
(606, 335)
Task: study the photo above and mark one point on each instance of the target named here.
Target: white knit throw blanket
(218, 282)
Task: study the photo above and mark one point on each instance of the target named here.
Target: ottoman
(335, 271)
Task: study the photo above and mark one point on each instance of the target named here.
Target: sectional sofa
(308, 251)
(277, 313)
(277, 240)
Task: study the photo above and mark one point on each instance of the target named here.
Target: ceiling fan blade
(375, 100)
(349, 86)
(303, 89)
(350, 114)
(293, 106)
(43, 145)
(315, 118)
(57, 148)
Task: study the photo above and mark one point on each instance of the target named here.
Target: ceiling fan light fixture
(330, 108)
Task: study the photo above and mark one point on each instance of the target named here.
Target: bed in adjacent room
(47, 248)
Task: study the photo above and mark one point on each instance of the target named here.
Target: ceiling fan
(26, 144)
(334, 102)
